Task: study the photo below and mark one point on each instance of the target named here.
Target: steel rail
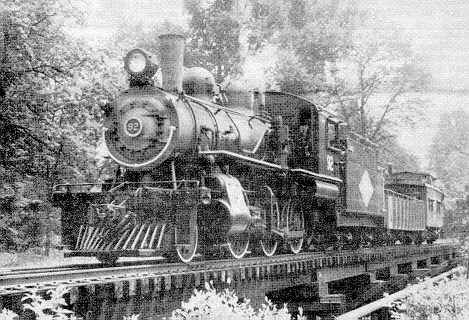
(8, 271)
(386, 301)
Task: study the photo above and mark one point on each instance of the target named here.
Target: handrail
(386, 301)
(187, 184)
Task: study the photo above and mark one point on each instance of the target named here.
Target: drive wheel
(238, 245)
(269, 245)
(269, 213)
(187, 252)
(296, 245)
(295, 223)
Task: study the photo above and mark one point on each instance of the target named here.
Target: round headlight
(140, 64)
(137, 62)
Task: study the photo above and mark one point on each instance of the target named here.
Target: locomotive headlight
(137, 62)
(140, 64)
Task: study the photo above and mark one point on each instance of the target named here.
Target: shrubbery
(447, 299)
(205, 304)
(209, 304)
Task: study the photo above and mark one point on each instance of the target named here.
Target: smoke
(257, 69)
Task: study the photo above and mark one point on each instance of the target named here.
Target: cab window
(332, 134)
(430, 205)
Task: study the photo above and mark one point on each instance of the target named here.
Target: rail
(386, 301)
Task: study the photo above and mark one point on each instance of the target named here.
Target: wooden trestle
(251, 278)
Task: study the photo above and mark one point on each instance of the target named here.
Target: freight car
(206, 168)
(414, 203)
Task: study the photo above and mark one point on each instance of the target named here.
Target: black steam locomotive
(205, 169)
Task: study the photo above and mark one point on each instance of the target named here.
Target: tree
(50, 90)
(449, 153)
(374, 87)
(133, 36)
(440, 300)
(314, 35)
(214, 35)
(400, 159)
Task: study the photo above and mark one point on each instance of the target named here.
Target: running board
(118, 253)
(289, 235)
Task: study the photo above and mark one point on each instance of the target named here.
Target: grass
(36, 258)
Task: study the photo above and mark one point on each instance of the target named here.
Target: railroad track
(88, 265)
(17, 281)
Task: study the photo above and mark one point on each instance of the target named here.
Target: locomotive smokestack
(171, 61)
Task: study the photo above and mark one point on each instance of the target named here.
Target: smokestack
(171, 61)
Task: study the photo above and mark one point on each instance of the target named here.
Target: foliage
(214, 41)
(449, 153)
(447, 299)
(48, 309)
(20, 222)
(390, 152)
(50, 100)
(136, 36)
(314, 34)
(52, 308)
(336, 55)
(374, 86)
(210, 304)
(51, 88)
(8, 315)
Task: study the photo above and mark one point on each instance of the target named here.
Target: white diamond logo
(366, 188)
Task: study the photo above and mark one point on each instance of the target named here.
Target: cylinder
(171, 61)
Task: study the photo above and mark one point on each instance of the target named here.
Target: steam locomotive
(206, 168)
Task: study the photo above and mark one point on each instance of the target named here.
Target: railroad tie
(167, 283)
(157, 282)
(74, 295)
(179, 281)
(119, 289)
(132, 287)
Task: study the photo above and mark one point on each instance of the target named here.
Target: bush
(447, 299)
(208, 304)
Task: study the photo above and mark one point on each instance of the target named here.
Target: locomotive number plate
(133, 127)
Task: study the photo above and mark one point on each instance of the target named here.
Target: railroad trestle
(154, 291)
